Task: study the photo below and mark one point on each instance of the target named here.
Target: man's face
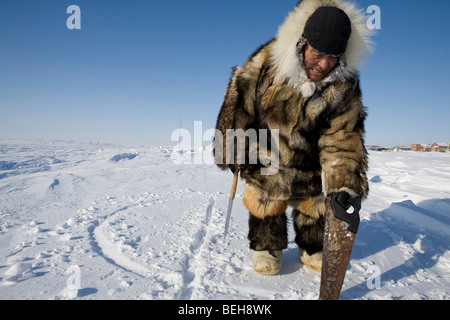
(318, 65)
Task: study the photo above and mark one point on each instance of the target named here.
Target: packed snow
(96, 221)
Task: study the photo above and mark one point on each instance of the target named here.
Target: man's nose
(323, 64)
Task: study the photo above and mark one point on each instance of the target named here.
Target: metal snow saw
(341, 226)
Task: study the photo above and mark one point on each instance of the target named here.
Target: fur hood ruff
(286, 55)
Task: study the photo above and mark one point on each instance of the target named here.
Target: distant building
(393, 148)
(441, 147)
(376, 148)
(400, 148)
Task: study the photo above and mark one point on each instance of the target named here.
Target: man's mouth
(317, 71)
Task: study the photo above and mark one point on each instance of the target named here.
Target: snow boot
(309, 238)
(268, 238)
(313, 261)
(267, 262)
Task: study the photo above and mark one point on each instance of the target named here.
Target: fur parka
(320, 124)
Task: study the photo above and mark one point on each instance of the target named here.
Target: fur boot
(267, 262)
(309, 238)
(313, 262)
(268, 237)
(269, 233)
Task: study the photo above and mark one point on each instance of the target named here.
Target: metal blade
(230, 202)
(227, 223)
(338, 245)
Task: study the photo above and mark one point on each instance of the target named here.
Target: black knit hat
(328, 30)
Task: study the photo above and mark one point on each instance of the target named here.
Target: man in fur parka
(304, 83)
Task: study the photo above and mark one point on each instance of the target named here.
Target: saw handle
(342, 202)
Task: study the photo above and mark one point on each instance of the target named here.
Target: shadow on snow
(425, 227)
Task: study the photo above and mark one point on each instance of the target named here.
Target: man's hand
(342, 198)
(346, 209)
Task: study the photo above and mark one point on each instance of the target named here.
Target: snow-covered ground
(92, 221)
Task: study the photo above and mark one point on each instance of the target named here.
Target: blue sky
(137, 67)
